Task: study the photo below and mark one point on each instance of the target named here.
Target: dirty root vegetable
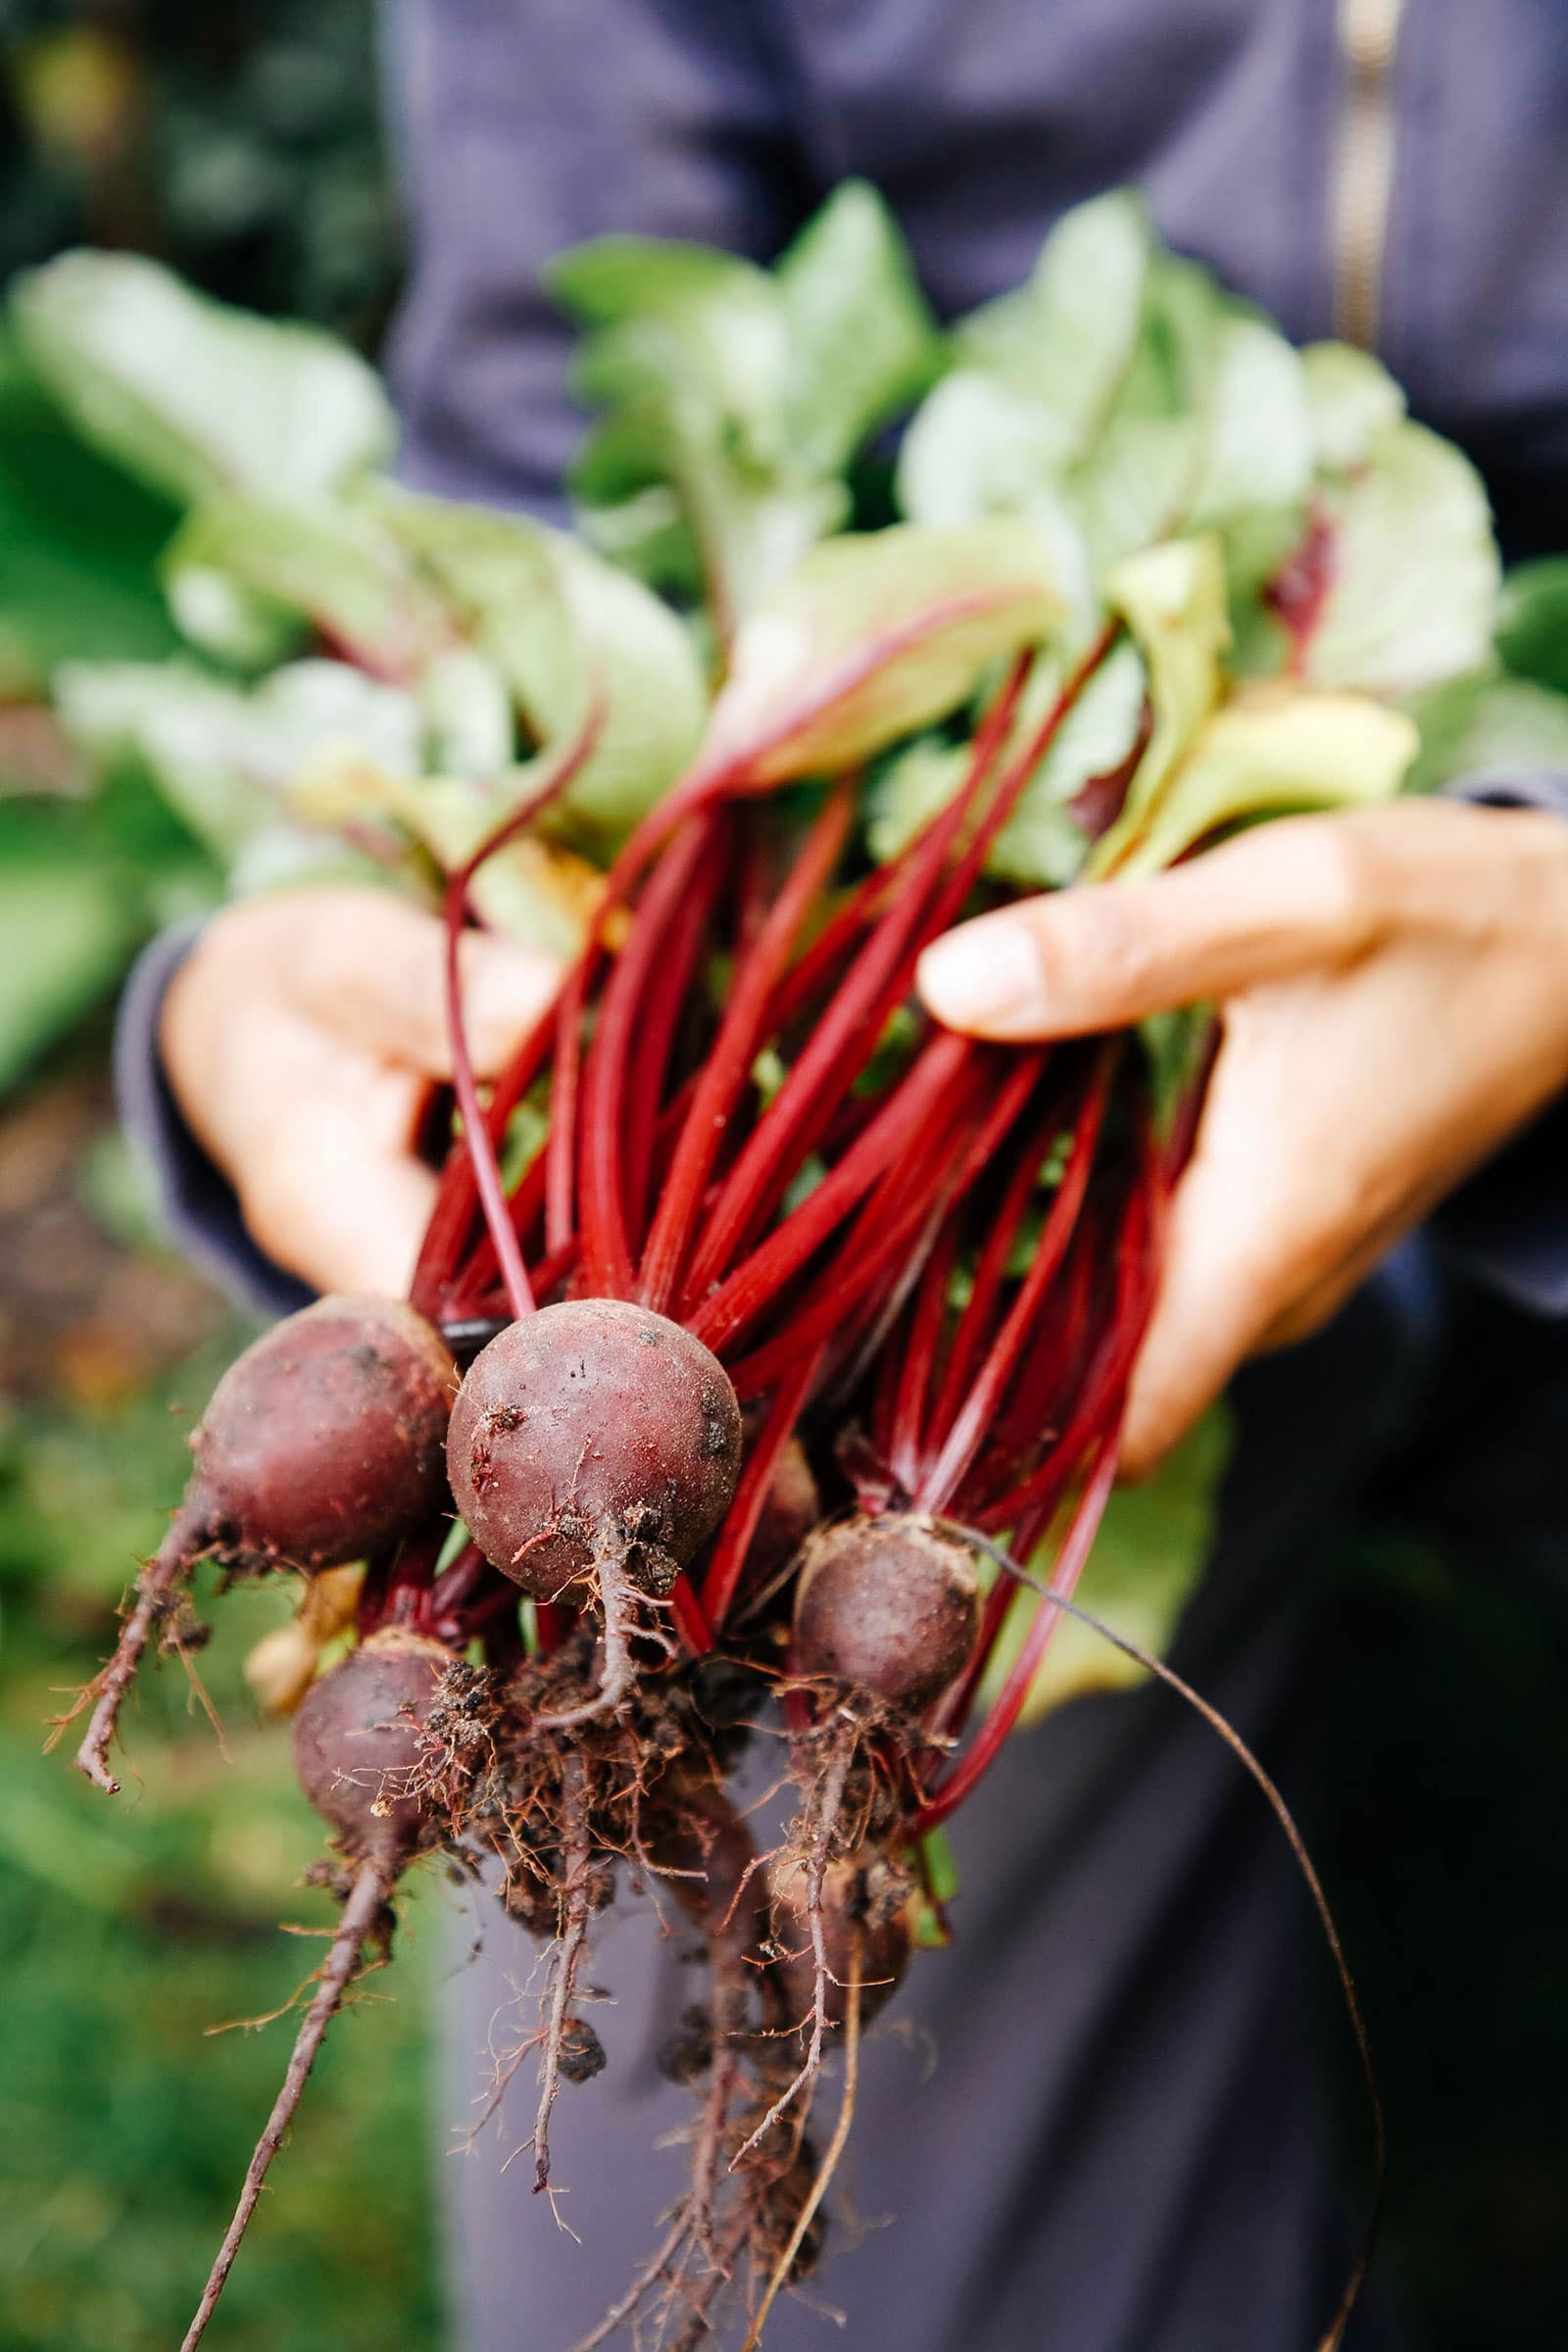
(323, 1441)
(357, 1747)
(889, 1605)
(594, 1443)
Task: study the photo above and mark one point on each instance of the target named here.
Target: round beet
(594, 1432)
(357, 1741)
(871, 1897)
(325, 1439)
(891, 1605)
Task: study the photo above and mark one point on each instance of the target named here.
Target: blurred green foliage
(132, 1928)
(240, 142)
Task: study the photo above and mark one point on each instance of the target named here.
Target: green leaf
(1258, 429)
(532, 892)
(560, 626)
(68, 934)
(1066, 339)
(79, 545)
(1173, 598)
(1413, 594)
(1481, 725)
(1533, 621)
(976, 447)
(193, 397)
(1271, 748)
(223, 758)
(1152, 1546)
(1041, 846)
(243, 575)
(862, 344)
(1351, 399)
(874, 636)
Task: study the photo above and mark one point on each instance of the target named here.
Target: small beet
(592, 1431)
(321, 1442)
(890, 1605)
(872, 1896)
(325, 1439)
(357, 1741)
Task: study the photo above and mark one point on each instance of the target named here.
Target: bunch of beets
(734, 1384)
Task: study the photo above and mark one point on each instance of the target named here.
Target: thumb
(1099, 956)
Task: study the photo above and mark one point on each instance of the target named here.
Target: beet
(594, 1431)
(357, 1741)
(873, 1895)
(890, 1605)
(325, 1439)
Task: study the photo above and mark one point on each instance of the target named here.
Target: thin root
(577, 1858)
(360, 1915)
(154, 1587)
(619, 1676)
(835, 2149)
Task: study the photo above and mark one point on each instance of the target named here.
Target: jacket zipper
(1363, 169)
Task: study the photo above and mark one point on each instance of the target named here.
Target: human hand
(301, 1037)
(1393, 987)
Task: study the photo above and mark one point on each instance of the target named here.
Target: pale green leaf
(1272, 749)
(222, 756)
(873, 636)
(1173, 598)
(194, 397)
(862, 342)
(563, 627)
(1066, 339)
(1413, 593)
(242, 574)
(1257, 432)
(1352, 399)
(977, 447)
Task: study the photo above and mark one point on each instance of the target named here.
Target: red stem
(728, 1562)
(939, 1483)
(919, 1101)
(478, 1138)
(668, 997)
(728, 1068)
(918, 1357)
(607, 1250)
(850, 1026)
(1071, 1561)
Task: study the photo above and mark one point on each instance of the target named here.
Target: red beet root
(595, 1440)
(594, 1427)
(322, 1442)
(891, 1605)
(868, 1899)
(325, 1439)
(357, 1739)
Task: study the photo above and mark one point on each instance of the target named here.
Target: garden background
(242, 143)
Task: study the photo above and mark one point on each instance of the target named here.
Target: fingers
(373, 969)
(1276, 902)
(342, 1208)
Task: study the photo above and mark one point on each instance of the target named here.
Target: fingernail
(985, 976)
